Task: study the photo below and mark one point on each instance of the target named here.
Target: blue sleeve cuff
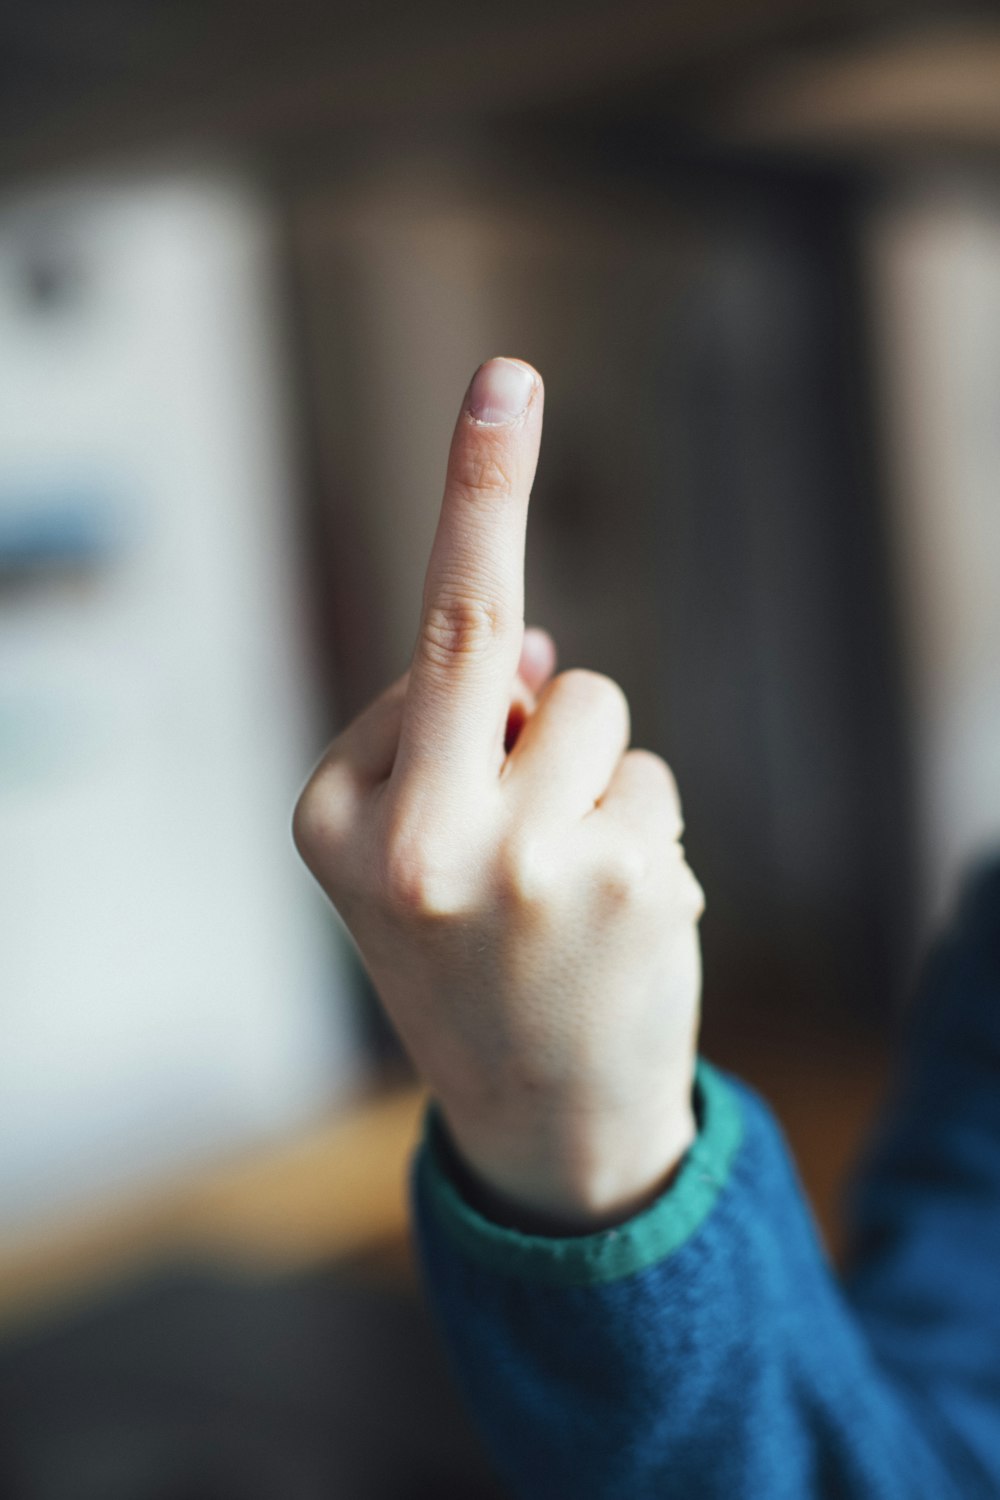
(609, 1254)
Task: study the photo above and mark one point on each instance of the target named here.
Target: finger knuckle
(592, 692)
(623, 874)
(321, 819)
(481, 470)
(655, 770)
(527, 874)
(417, 881)
(694, 895)
(461, 628)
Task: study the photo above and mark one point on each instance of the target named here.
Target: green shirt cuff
(608, 1254)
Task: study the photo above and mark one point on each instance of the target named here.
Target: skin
(512, 872)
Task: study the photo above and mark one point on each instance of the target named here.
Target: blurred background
(249, 258)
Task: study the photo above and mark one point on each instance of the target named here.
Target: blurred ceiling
(79, 77)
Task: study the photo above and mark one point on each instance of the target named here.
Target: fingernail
(538, 648)
(500, 392)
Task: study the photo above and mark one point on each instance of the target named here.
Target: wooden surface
(339, 1192)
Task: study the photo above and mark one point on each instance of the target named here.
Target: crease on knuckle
(458, 628)
(481, 471)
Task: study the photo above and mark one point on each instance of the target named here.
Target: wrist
(573, 1172)
(602, 1256)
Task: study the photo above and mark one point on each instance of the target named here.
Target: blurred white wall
(169, 984)
(935, 258)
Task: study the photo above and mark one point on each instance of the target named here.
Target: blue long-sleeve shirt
(705, 1349)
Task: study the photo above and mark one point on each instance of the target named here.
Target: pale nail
(500, 392)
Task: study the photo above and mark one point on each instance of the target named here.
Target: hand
(527, 918)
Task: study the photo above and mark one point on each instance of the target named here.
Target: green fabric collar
(609, 1254)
